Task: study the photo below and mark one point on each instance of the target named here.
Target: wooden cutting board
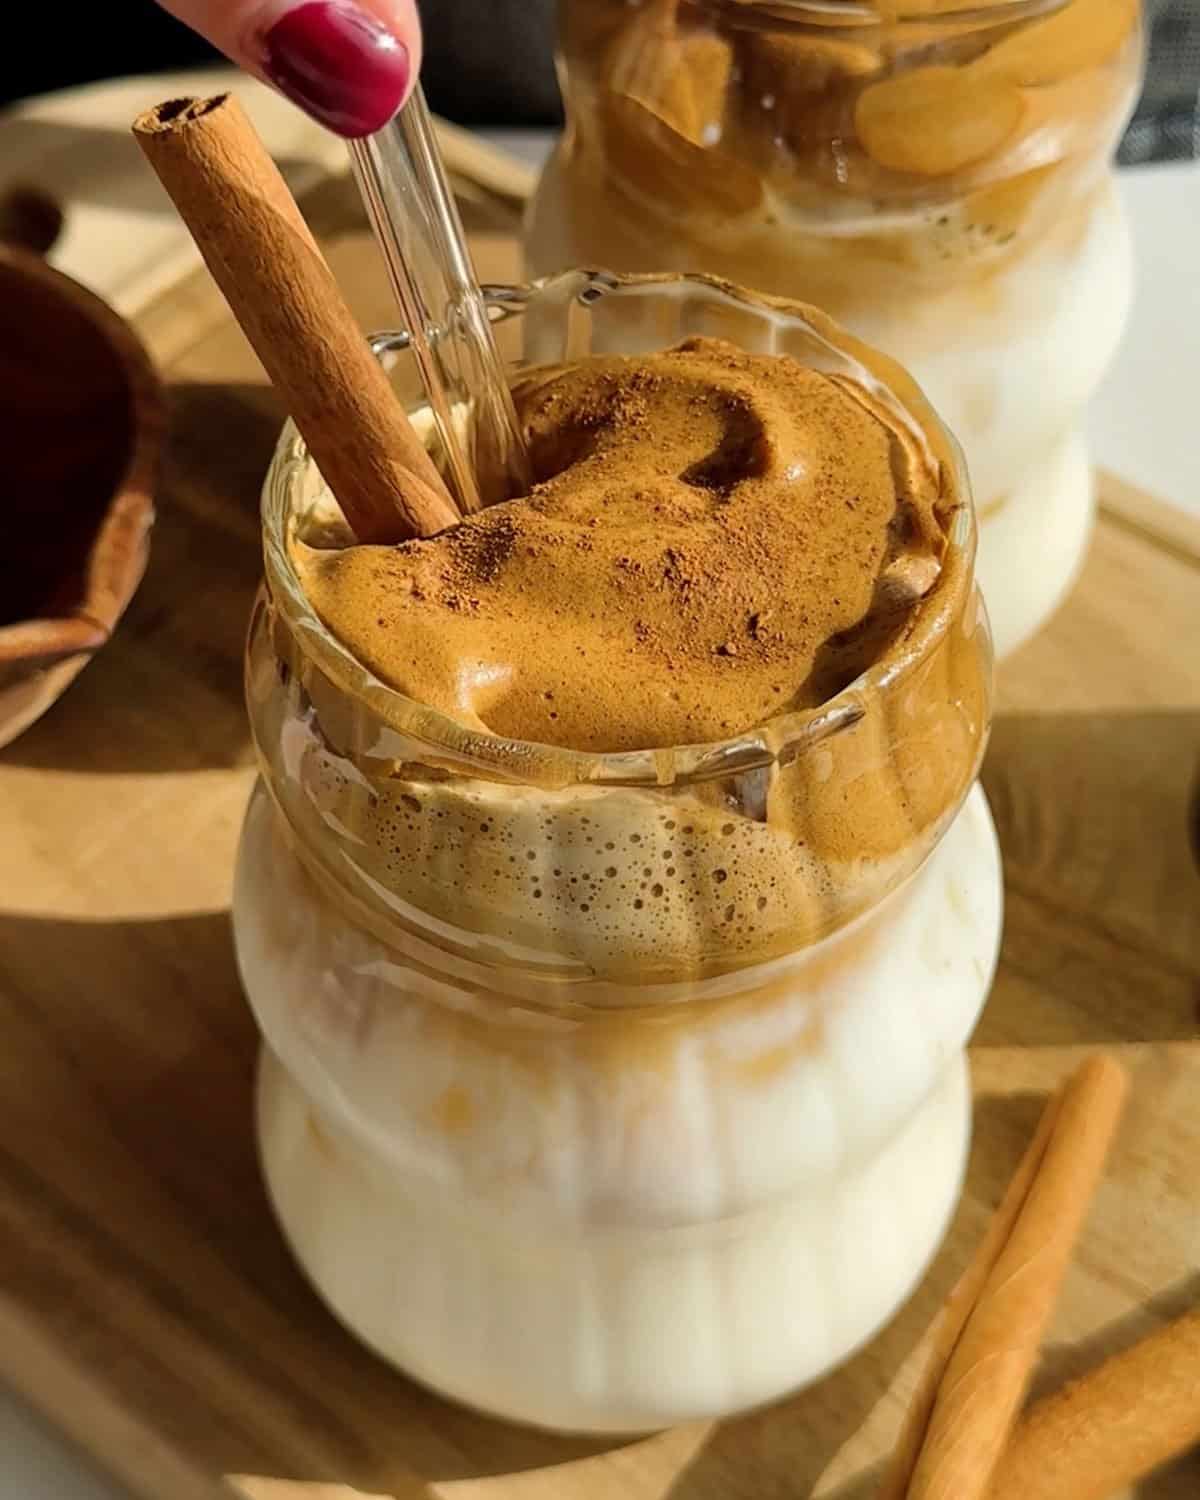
(147, 1302)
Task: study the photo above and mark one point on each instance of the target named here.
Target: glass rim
(774, 742)
(862, 13)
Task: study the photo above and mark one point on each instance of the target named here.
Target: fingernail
(339, 63)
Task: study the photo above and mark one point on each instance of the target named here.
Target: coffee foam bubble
(604, 878)
(629, 883)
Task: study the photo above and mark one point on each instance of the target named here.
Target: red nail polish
(339, 63)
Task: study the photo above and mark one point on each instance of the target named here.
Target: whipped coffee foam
(714, 538)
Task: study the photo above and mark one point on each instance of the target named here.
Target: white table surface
(1144, 428)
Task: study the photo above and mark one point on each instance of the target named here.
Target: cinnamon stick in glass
(267, 264)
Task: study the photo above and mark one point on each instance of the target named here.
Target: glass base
(605, 1331)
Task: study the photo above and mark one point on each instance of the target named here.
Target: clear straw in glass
(416, 222)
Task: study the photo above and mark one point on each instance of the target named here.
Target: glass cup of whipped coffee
(936, 178)
(618, 898)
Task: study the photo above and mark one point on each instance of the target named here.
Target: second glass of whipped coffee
(617, 899)
(936, 177)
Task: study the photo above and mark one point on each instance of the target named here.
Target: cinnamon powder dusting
(714, 537)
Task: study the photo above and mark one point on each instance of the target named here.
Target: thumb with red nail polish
(350, 64)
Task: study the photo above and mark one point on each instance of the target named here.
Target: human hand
(350, 64)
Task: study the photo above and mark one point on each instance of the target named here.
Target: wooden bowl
(82, 418)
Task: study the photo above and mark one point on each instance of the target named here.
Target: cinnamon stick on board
(1111, 1427)
(275, 279)
(987, 1373)
(958, 1308)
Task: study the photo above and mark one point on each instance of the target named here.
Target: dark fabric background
(1166, 126)
(489, 62)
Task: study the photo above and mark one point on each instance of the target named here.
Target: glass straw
(415, 219)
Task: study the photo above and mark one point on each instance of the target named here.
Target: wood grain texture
(147, 1302)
